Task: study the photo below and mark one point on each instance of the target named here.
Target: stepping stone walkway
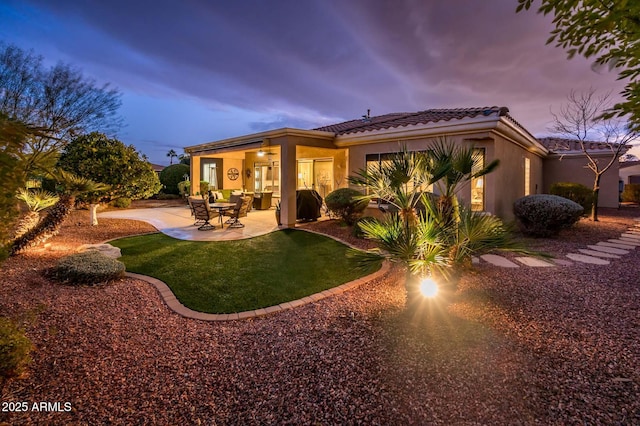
(593, 254)
(616, 245)
(599, 254)
(587, 259)
(626, 242)
(608, 249)
(532, 261)
(494, 259)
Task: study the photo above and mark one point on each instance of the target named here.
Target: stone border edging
(174, 304)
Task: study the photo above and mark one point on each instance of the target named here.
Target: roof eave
(257, 138)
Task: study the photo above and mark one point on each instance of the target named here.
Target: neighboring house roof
(625, 164)
(401, 119)
(565, 146)
(157, 167)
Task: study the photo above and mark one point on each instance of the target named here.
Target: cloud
(299, 63)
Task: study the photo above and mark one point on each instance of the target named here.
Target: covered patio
(279, 161)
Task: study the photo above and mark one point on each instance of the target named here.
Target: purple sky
(193, 71)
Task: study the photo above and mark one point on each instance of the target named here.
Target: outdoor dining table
(221, 207)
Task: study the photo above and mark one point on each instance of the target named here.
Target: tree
(581, 119)
(59, 100)
(606, 30)
(71, 186)
(443, 235)
(185, 159)
(109, 161)
(171, 154)
(13, 135)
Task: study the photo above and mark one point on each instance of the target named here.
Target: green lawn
(235, 276)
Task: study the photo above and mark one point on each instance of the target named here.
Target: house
(285, 160)
(630, 172)
(566, 162)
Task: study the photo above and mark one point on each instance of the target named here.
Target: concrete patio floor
(177, 222)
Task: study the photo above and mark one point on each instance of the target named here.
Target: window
(267, 177)
(477, 184)
(316, 174)
(374, 161)
(527, 176)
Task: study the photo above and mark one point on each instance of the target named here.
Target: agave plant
(49, 226)
(36, 201)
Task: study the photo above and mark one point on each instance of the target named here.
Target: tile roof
(566, 146)
(625, 164)
(402, 119)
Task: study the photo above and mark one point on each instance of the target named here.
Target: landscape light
(428, 287)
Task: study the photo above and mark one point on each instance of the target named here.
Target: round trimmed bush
(171, 176)
(14, 349)
(122, 202)
(575, 192)
(346, 204)
(543, 215)
(90, 267)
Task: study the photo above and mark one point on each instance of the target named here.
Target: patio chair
(197, 222)
(203, 214)
(240, 210)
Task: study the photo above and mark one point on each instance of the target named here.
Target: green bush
(184, 187)
(89, 267)
(171, 176)
(631, 193)
(543, 215)
(167, 197)
(204, 188)
(122, 202)
(14, 349)
(575, 192)
(357, 230)
(344, 203)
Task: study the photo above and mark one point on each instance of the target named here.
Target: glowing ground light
(428, 287)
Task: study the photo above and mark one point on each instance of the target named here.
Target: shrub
(184, 187)
(344, 203)
(171, 176)
(122, 202)
(575, 192)
(204, 188)
(89, 267)
(167, 197)
(357, 230)
(631, 193)
(543, 215)
(14, 349)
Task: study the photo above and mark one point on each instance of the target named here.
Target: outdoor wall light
(428, 287)
(261, 153)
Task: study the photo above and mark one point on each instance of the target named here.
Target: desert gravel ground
(513, 346)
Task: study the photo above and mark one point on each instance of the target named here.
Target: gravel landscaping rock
(521, 345)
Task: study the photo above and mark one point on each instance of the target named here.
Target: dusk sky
(194, 71)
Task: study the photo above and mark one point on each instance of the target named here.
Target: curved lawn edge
(174, 304)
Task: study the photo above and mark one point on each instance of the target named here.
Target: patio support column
(288, 184)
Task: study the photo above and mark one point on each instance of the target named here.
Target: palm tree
(49, 226)
(36, 201)
(443, 237)
(462, 164)
(171, 154)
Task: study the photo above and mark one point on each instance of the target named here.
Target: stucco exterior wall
(630, 174)
(502, 187)
(509, 178)
(572, 169)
